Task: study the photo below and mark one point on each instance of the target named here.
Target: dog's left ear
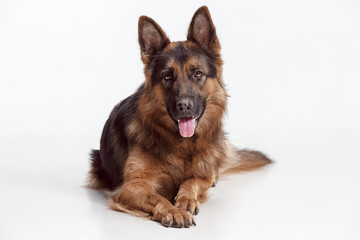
(152, 38)
(202, 30)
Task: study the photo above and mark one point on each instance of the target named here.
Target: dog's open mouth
(187, 126)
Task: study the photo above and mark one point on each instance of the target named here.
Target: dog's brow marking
(180, 53)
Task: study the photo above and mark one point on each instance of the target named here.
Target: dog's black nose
(184, 105)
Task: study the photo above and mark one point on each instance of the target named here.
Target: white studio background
(292, 69)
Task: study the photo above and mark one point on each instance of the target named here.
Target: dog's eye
(198, 74)
(168, 77)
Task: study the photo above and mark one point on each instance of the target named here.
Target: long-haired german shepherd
(164, 146)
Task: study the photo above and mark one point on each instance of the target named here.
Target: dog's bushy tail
(242, 160)
(97, 176)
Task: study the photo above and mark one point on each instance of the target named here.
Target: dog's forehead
(184, 54)
(180, 57)
(177, 52)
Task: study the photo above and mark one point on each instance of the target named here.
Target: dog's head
(185, 76)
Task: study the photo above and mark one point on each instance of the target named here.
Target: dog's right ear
(151, 38)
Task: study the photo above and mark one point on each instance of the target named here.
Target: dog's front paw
(174, 217)
(188, 204)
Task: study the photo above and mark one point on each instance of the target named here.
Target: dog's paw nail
(168, 223)
(197, 210)
(188, 223)
(193, 222)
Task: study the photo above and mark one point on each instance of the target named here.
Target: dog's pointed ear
(202, 30)
(151, 38)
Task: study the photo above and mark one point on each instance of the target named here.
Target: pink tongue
(187, 126)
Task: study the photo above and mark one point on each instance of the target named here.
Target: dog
(164, 146)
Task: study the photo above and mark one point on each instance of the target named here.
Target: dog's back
(107, 164)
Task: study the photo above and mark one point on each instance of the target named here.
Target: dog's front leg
(139, 195)
(188, 196)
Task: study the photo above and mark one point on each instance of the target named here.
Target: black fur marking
(103, 161)
(180, 53)
(157, 64)
(98, 172)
